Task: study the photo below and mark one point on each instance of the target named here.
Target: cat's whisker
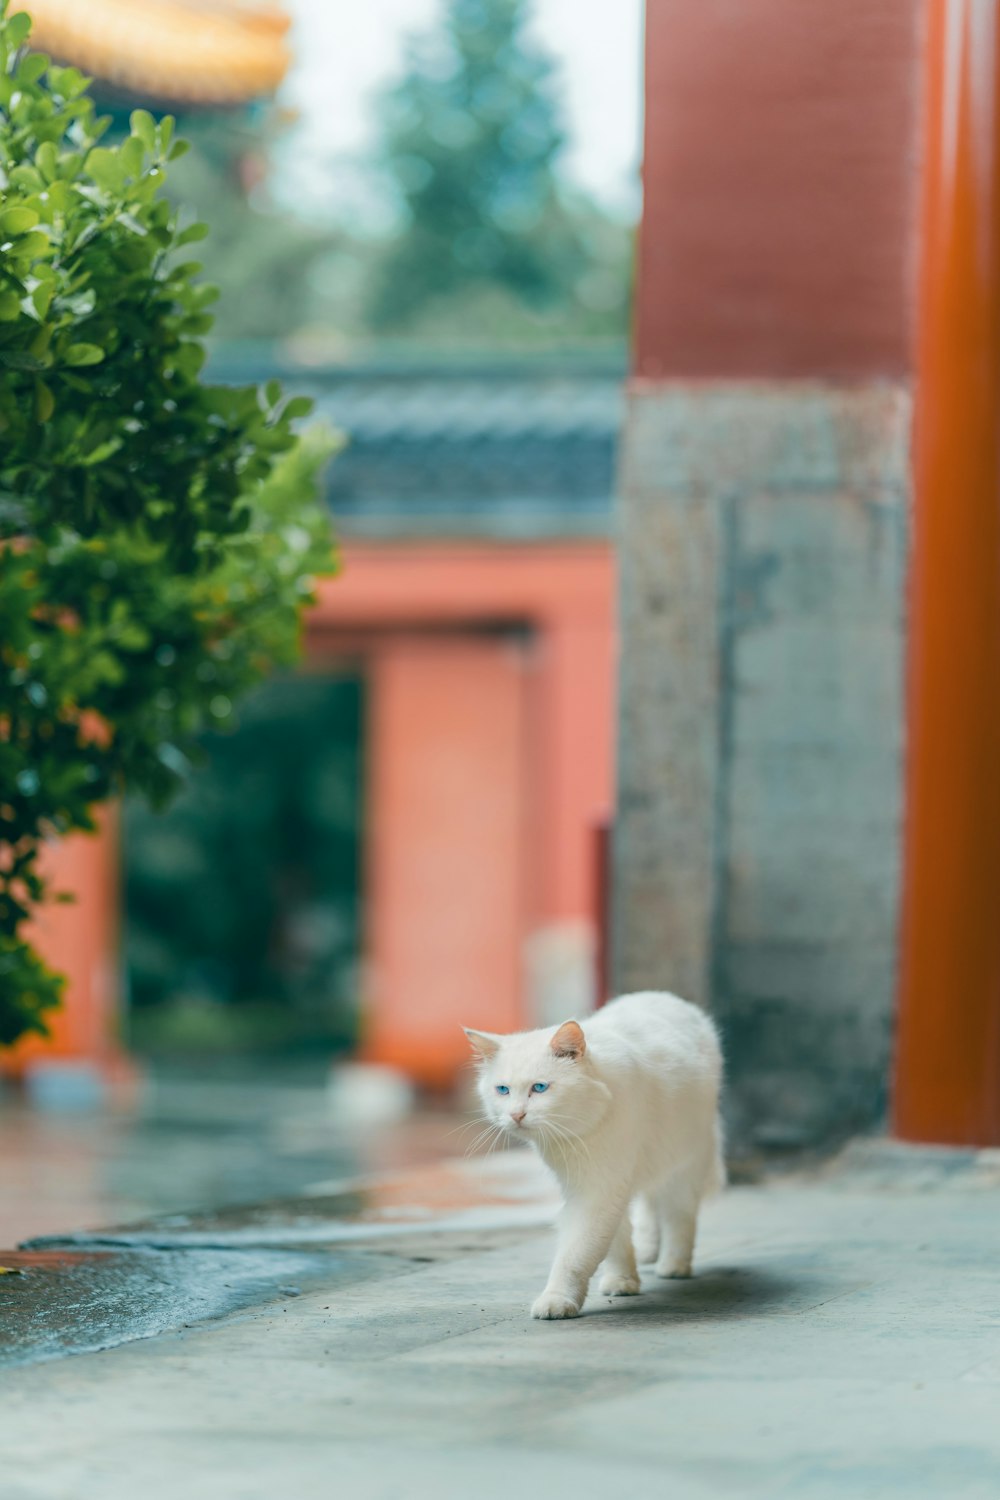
(485, 1133)
(574, 1149)
(554, 1142)
(470, 1125)
(571, 1137)
(487, 1142)
(491, 1138)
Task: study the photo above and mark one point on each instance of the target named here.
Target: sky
(345, 51)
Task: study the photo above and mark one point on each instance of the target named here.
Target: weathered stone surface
(763, 531)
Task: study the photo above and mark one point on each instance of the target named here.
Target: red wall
(780, 177)
(81, 941)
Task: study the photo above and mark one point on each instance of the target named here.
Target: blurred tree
(262, 257)
(158, 536)
(472, 139)
(243, 898)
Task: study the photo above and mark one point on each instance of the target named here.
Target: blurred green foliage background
(244, 898)
(489, 247)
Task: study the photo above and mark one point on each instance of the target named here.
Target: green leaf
(32, 67)
(191, 233)
(47, 160)
(144, 126)
(298, 406)
(59, 196)
(66, 81)
(18, 29)
(17, 220)
(45, 403)
(101, 452)
(10, 307)
(32, 244)
(83, 354)
(40, 343)
(189, 359)
(132, 155)
(42, 297)
(106, 168)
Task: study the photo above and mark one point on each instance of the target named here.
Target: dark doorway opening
(242, 901)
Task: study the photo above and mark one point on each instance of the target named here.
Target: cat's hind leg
(646, 1222)
(679, 1200)
(621, 1278)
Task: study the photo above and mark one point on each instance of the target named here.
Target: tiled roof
(510, 452)
(185, 52)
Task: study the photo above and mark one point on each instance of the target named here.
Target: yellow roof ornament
(185, 52)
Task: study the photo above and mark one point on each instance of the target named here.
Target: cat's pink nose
(518, 1116)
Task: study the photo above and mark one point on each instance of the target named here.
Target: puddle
(511, 1191)
(79, 1301)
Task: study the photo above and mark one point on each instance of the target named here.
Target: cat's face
(539, 1084)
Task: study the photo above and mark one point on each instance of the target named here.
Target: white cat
(624, 1109)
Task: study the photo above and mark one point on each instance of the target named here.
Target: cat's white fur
(629, 1118)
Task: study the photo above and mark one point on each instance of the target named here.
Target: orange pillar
(947, 1085)
(575, 751)
(445, 849)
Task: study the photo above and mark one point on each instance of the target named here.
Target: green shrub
(158, 536)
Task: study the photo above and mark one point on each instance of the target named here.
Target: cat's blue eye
(502, 1088)
(539, 1088)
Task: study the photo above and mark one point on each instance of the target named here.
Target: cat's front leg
(621, 1275)
(586, 1230)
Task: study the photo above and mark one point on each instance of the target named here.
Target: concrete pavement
(841, 1339)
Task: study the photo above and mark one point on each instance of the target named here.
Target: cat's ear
(569, 1041)
(483, 1043)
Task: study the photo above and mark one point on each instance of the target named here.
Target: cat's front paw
(613, 1284)
(554, 1305)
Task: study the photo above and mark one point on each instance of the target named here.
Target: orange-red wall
(445, 850)
(780, 182)
(81, 941)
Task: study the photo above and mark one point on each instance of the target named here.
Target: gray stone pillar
(757, 839)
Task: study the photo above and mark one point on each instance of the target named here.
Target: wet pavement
(360, 1324)
(56, 1303)
(840, 1341)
